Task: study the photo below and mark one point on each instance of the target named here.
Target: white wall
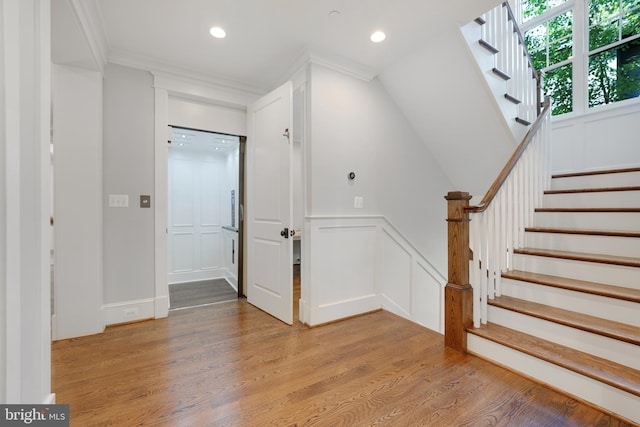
(128, 164)
(602, 138)
(25, 105)
(355, 126)
(194, 114)
(443, 95)
(77, 137)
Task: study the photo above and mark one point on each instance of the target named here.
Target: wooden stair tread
(599, 172)
(608, 372)
(601, 210)
(596, 325)
(609, 233)
(593, 190)
(611, 291)
(581, 256)
(522, 121)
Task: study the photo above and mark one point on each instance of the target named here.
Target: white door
(269, 204)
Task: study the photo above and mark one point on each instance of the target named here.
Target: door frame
(165, 86)
(240, 196)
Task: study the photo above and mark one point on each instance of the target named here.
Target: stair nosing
(501, 74)
(480, 20)
(599, 172)
(606, 233)
(522, 121)
(593, 190)
(581, 256)
(580, 366)
(512, 99)
(593, 288)
(583, 322)
(488, 46)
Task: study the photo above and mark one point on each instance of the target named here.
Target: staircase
(569, 310)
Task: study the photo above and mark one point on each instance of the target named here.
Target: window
(607, 71)
(614, 50)
(550, 45)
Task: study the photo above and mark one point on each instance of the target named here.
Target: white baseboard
(50, 399)
(161, 306)
(392, 307)
(343, 309)
(129, 311)
(196, 276)
(232, 280)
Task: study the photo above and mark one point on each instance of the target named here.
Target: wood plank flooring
(231, 364)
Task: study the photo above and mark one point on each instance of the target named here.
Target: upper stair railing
(501, 35)
(482, 238)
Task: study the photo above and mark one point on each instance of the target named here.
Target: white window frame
(580, 57)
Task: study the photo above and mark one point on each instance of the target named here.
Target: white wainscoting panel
(210, 250)
(603, 138)
(393, 274)
(359, 264)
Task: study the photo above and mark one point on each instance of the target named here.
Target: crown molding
(89, 16)
(341, 64)
(334, 62)
(158, 68)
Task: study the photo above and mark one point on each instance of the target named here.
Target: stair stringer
(496, 86)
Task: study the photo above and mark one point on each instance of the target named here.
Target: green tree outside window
(613, 58)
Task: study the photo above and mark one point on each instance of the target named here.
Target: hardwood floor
(231, 364)
(192, 294)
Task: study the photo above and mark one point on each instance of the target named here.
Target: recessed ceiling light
(378, 36)
(217, 32)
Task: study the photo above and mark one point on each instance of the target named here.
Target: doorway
(204, 218)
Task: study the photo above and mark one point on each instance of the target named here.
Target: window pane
(559, 51)
(558, 85)
(614, 75)
(603, 10)
(603, 34)
(628, 5)
(560, 26)
(631, 24)
(533, 8)
(539, 59)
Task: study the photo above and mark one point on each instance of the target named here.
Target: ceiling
(266, 39)
(202, 142)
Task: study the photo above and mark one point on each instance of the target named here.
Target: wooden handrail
(493, 190)
(516, 29)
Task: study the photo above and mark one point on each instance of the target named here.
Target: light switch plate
(145, 201)
(118, 201)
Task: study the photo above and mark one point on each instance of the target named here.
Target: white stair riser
(600, 199)
(593, 305)
(610, 245)
(591, 271)
(607, 348)
(620, 221)
(623, 179)
(602, 395)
